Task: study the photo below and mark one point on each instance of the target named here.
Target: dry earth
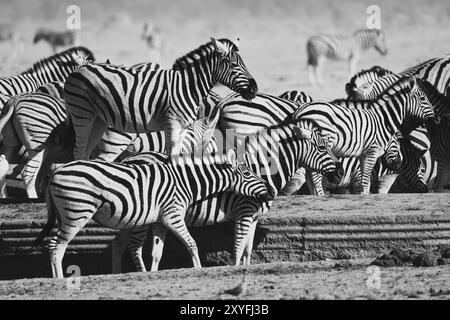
(273, 36)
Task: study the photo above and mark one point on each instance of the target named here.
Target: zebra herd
(140, 147)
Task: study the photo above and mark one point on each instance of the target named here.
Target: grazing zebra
(124, 196)
(54, 68)
(297, 144)
(335, 47)
(132, 101)
(57, 39)
(364, 132)
(364, 77)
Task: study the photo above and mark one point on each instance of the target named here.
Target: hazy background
(273, 33)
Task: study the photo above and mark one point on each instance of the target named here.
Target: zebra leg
(4, 167)
(311, 76)
(159, 235)
(242, 228)
(135, 244)
(319, 70)
(118, 246)
(367, 163)
(315, 183)
(29, 172)
(174, 221)
(249, 245)
(385, 183)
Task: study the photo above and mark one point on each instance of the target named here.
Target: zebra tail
(51, 217)
(7, 111)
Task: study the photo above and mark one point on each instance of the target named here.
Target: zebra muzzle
(250, 92)
(337, 174)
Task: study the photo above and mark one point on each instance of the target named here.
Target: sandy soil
(313, 280)
(273, 36)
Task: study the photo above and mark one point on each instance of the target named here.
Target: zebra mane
(62, 57)
(202, 51)
(376, 70)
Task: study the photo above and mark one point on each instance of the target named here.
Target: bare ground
(312, 280)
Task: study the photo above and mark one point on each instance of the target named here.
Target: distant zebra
(364, 132)
(9, 33)
(323, 46)
(57, 39)
(133, 101)
(53, 68)
(154, 41)
(122, 196)
(298, 143)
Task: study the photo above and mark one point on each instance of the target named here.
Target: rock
(427, 259)
(387, 260)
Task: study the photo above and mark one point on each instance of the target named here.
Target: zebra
(153, 39)
(364, 77)
(116, 195)
(8, 33)
(296, 96)
(26, 121)
(364, 132)
(57, 39)
(54, 89)
(130, 101)
(336, 47)
(299, 144)
(53, 68)
(435, 83)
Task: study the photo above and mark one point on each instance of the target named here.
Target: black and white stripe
(137, 101)
(123, 196)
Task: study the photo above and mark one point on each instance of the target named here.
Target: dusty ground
(273, 36)
(313, 280)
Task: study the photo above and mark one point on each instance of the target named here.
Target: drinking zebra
(275, 154)
(116, 195)
(364, 132)
(57, 39)
(132, 101)
(53, 68)
(323, 46)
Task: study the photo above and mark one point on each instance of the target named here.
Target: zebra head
(364, 77)
(379, 42)
(316, 153)
(392, 157)
(418, 105)
(231, 70)
(246, 182)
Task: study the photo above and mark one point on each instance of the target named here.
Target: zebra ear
(302, 133)
(219, 46)
(108, 61)
(412, 82)
(236, 43)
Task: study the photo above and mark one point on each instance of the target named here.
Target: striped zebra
(54, 89)
(57, 39)
(130, 101)
(435, 73)
(54, 68)
(323, 46)
(296, 96)
(298, 144)
(364, 132)
(364, 77)
(27, 121)
(116, 195)
(10, 34)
